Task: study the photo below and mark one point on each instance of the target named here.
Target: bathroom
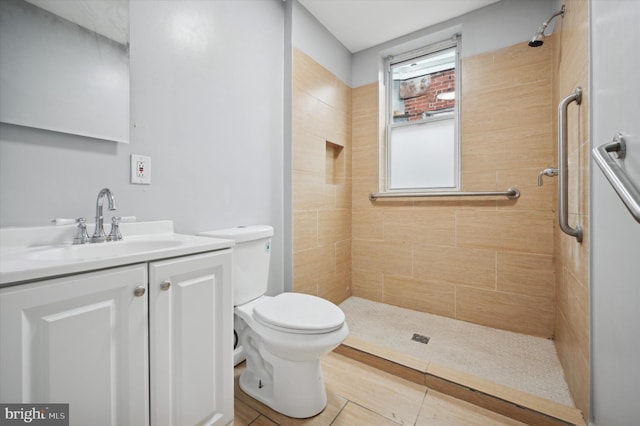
(218, 162)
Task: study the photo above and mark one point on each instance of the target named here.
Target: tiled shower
(499, 263)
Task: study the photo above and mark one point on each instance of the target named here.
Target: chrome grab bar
(511, 193)
(563, 185)
(624, 187)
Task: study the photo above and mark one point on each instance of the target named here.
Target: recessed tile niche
(334, 163)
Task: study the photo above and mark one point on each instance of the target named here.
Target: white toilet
(284, 336)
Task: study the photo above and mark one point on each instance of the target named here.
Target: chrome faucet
(551, 171)
(99, 235)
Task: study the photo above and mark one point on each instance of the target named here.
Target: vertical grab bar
(563, 185)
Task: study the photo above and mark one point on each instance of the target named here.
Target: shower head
(538, 37)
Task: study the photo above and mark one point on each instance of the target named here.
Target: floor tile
(353, 414)
(442, 410)
(387, 395)
(243, 414)
(335, 404)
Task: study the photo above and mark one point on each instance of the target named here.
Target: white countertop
(33, 253)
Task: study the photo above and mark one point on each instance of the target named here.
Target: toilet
(284, 336)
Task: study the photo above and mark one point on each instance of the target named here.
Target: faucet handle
(82, 236)
(551, 171)
(115, 234)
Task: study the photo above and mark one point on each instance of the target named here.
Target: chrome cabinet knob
(165, 285)
(139, 291)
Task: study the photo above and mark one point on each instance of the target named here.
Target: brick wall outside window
(441, 82)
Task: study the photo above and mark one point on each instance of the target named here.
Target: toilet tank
(251, 255)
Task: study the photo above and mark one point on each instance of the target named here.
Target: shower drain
(420, 338)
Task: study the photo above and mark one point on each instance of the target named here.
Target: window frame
(390, 62)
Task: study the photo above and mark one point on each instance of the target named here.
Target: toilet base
(293, 388)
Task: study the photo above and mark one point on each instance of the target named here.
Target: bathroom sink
(33, 253)
(99, 250)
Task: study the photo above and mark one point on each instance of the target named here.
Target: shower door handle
(624, 187)
(563, 184)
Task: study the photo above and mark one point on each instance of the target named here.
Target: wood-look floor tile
(387, 395)
(353, 414)
(444, 410)
(243, 414)
(263, 421)
(335, 404)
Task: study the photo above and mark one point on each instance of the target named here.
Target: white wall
(493, 27)
(206, 105)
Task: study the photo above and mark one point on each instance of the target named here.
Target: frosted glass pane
(423, 156)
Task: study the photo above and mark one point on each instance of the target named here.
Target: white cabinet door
(80, 340)
(191, 332)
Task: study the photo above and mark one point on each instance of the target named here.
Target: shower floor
(526, 363)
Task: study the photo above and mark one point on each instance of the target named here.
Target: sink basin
(33, 253)
(99, 250)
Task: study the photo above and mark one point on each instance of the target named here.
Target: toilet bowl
(283, 337)
(283, 356)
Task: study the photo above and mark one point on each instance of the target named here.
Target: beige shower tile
(505, 68)
(424, 223)
(523, 314)
(367, 224)
(572, 255)
(367, 284)
(484, 149)
(495, 123)
(532, 196)
(526, 274)
(310, 265)
(343, 194)
(331, 124)
(478, 180)
(317, 81)
(362, 187)
(390, 258)
(386, 394)
(444, 410)
(454, 265)
(305, 230)
(335, 287)
(365, 99)
(420, 295)
(398, 224)
(304, 106)
(310, 192)
(524, 231)
(308, 153)
(343, 256)
(573, 303)
(334, 225)
(365, 161)
(574, 356)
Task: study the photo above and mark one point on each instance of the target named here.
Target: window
(422, 119)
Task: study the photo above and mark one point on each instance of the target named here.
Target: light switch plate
(140, 169)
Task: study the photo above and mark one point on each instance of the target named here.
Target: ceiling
(360, 24)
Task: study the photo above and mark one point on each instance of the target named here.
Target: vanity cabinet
(191, 340)
(149, 343)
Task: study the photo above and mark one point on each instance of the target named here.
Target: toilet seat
(299, 313)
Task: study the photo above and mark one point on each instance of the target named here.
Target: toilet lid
(299, 313)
